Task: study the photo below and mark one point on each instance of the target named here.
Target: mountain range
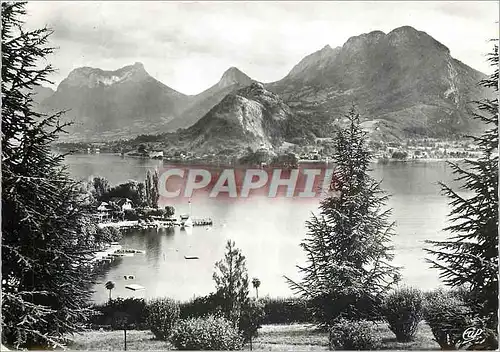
(404, 83)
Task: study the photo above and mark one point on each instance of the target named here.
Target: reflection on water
(267, 230)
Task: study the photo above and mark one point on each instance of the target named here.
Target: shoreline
(301, 161)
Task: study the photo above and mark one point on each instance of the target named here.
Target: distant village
(320, 150)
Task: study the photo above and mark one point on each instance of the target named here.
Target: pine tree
(45, 237)
(469, 258)
(347, 246)
(147, 188)
(231, 280)
(155, 194)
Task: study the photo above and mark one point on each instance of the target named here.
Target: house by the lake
(104, 211)
(156, 154)
(122, 203)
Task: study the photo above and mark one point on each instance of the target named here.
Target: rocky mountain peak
(327, 48)
(234, 76)
(410, 37)
(361, 41)
(314, 61)
(92, 77)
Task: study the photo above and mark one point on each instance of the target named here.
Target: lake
(267, 230)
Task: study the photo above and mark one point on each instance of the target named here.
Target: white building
(156, 154)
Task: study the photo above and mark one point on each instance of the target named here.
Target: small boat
(129, 277)
(191, 257)
(186, 221)
(135, 287)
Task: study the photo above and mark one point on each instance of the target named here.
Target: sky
(189, 45)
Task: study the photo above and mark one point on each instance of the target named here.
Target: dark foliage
(207, 333)
(252, 316)
(469, 258)
(286, 311)
(448, 316)
(403, 310)
(201, 306)
(46, 233)
(348, 244)
(135, 309)
(353, 335)
(162, 314)
(231, 282)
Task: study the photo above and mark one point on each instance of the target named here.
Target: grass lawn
(113, 340)
(296, 337)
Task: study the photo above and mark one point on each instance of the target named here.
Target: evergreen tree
(231, 280)
(101, 187)
(147, 189)
(141, 194)
(469, 258)
(45, 242)
(155, 194)
(347, 246)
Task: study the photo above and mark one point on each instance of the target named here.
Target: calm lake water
(267, 230)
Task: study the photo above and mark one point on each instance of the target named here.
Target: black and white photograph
(249, 175)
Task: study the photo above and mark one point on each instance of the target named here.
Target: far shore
(375, 160)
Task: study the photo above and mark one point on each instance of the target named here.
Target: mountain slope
(124, 102)
(249, 117)
(406, 81)
(41, 93)
(232, 80)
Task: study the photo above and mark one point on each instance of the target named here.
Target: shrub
(135, 308)
(162, 314)
(201, 306)
(208, 333)
(353, 335)
(252, 315)
(131, 215)
(350, 304)
(448, 316)
(115, 234)
(286, 311)
(403, 310)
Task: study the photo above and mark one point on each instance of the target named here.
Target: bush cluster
(252, 315)
(134, 308)
(448, 315)
(403, 310)
(353, 335)
(201, 306)
(207, 333)
(130, 215)
(162, 314)
(286, 311)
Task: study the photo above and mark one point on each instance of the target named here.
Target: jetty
(110, 253)
(106, 255)
(202, 222)
(157, 224)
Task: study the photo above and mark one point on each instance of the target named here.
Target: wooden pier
(156, 224)
(202, 222)
(110, 254)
